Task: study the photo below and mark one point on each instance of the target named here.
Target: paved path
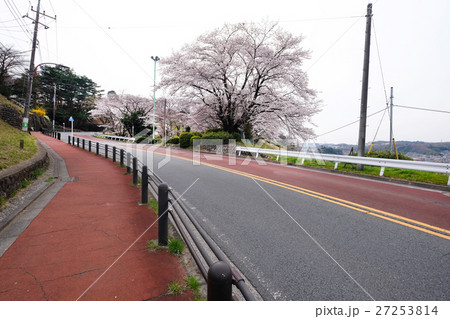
(80, 246)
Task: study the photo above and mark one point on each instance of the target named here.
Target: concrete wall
(12, 177)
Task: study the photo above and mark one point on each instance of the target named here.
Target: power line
(18, 18)
(120, 47)
(379, 61)
(354, 122)
(421, 109)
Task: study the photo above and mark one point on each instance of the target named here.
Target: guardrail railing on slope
(443, 168)
(211, 261)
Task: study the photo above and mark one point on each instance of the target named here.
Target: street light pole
(156, 59)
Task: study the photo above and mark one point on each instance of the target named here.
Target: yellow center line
(433, 230)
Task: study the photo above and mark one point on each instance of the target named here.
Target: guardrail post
(163, 216)
(106, 150)
(128, 163)
(84, 142)
(59, 136)
(121, 156)
(97, 148)
(68, 139)
(114, 154)
(90, 146)
(144, 185)
(135, 171)
(78, 142)
(219, 282)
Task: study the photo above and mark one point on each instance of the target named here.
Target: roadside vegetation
(10, 152)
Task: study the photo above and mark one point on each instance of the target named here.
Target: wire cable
(346, 125)
(379, 61)
(421, 109)
(334, 43)
(112, 39)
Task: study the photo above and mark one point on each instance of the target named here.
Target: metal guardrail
(190, 230)
(443, 168)
(116, 138)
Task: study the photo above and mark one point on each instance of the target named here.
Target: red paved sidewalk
(84, 229)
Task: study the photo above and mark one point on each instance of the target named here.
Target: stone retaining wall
(12, 177)
(11, 115)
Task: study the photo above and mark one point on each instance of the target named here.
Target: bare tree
(10, 61)
(244, 76)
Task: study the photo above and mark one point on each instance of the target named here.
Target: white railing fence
(443, 168)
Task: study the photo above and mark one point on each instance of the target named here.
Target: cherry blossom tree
(244, 77)
(113, 109)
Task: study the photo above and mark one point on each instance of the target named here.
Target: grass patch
(176, 246)
(10, 152)
(50, 179)
(153, 204)
(152, 245)
(175, 288)
(194, 284)
(3, 201)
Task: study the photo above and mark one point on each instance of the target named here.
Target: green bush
(213, 130)
(140, 139)
(388, 154)
(174, 140)
(220, 135)
(194, 138)
(185, 138)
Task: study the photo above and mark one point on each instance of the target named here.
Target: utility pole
(156, 59)
(365, 88)
(165, 131)
(54, 108)
(391, 132)
(31, 71)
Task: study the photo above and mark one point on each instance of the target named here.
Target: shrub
(213, 130)
(174, 140)
(388, 154)
(140, 139)
(194, 138)
(185, 138)
(220, 135)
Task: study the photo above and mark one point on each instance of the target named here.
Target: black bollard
(144, 185)
(121, 157)
(84, 142)
(219, 282)
(114, 154)
(97, 148)
(135, 171)
(128, 163)
(106, 150)
(90, 146)
(163, 216)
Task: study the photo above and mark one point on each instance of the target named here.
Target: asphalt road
(294, 245)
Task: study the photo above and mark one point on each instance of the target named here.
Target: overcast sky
(111, 42)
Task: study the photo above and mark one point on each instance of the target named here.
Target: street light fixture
(156, 59)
